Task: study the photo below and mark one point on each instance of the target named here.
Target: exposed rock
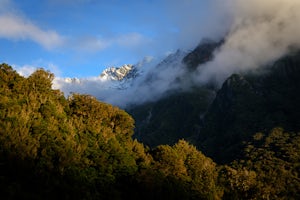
(203, 53)
(117, 73)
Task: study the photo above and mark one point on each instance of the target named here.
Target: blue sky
(79, 38)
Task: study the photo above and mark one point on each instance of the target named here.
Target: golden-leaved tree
(86, 141)
(52, 147)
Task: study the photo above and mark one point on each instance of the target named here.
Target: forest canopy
(53, 147)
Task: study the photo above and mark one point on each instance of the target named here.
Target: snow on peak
(116, 73)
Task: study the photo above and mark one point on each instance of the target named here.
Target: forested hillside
(52, 147)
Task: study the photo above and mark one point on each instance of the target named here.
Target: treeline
(52, 147)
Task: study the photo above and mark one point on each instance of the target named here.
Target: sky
(80, 38)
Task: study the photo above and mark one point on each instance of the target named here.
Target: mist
(255, 33)
(261, 32)
(154, 79)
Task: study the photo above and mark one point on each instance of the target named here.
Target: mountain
(172, 117)
(111, 79)
(178, 114)
(172, 59)
(202, 53)
(168, 106)
(120, 77)
(164, 70)
(52, 147)
(251, 103)
(220, 121)
(118, 73)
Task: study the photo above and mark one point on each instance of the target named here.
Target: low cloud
(255, 33)
(28, 69)
(25, 70)
(194, 20)
(261, 32)
(154, 80)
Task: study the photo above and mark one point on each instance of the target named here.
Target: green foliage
(275, 158)
(270, 169)
(180, 172)
(79, 148)
(85, 141)
(238, 183)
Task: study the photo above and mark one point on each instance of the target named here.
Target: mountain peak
(202, 53)
(172, 58)
(117, 73)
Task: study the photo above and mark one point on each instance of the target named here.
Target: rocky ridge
(117, 73)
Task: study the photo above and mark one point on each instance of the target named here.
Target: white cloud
(258, 32)
(100, 43)
(153, 82)
(195, 20)
(18, 28)
(261, 32)
(27, 69)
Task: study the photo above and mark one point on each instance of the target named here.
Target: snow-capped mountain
(120, 77)
(129, 84)
(173, 59)
(112, 77)
(117, 73)
(109, 83)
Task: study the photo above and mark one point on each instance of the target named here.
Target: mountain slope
(220, 125)
(54, 148)
(178, 114)
(171, 118)
(201, 54)
(122, 73)
(251, 103)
